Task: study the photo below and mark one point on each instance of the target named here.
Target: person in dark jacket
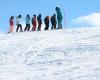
(53, 21)
(18, 23)
(59, 17)
(34, 23)
(27, 23)
(46, 21)
(11, 21)
(39, 22)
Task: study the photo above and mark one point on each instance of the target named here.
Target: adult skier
(59, 17)
(53, 21)
(39, 22)
(27, 23)
(46, 21)
(34, 23)
(18, 23)
(11, 21)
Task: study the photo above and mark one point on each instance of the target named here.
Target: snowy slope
(51, 55)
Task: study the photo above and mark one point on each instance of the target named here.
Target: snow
(70, 54)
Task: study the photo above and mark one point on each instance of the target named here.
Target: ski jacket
(11, 22)
(27, 20)
(59, 15)
(39, 20)
(46, 20)
(34, 21)
(18, 20)
(53, 20)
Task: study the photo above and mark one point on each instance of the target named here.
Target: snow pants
(19, 26)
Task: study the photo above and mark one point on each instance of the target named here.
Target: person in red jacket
(11, 21)
(34, 23)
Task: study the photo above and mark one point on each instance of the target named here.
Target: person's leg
(54, 26)
(21, 28)
(17, 28)
(39, 28)
(28, 27)
(25, 28)
(12, 28)
(47, 26)
(59, 25)
(34, 27)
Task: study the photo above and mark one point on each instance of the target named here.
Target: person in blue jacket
(59, 17)
(27, 23)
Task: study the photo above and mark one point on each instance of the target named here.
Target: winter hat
(34, 15)
(40, 15)
(57, 8)
(54, 14)
(28, 15)
(19, 16)
(12, 17)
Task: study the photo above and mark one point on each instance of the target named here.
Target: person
(59, 17)
(53, 21)
(46, 21)
(34, 23)
(27, 23)
(39, 22)
(11, 21)
(18, 23)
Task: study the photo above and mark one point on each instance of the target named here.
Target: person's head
(57, 8)
(34, 15)
(28, 15)
(19, 16)
(40, 15)
(54, 15)
(12, 17)
(47, 17)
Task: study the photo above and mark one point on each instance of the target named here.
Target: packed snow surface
(68, 54)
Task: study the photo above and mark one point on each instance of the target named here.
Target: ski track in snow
(51, 55)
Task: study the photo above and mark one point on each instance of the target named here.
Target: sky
(71, 9)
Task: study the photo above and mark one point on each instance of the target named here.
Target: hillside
(72, 54)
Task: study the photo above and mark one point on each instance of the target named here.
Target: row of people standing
(37, 20)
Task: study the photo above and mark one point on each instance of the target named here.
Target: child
(53, 21)
(46, 21)
(34, 23)
(39, 22)
(27, 23)
(11, 24)
(18, 23)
